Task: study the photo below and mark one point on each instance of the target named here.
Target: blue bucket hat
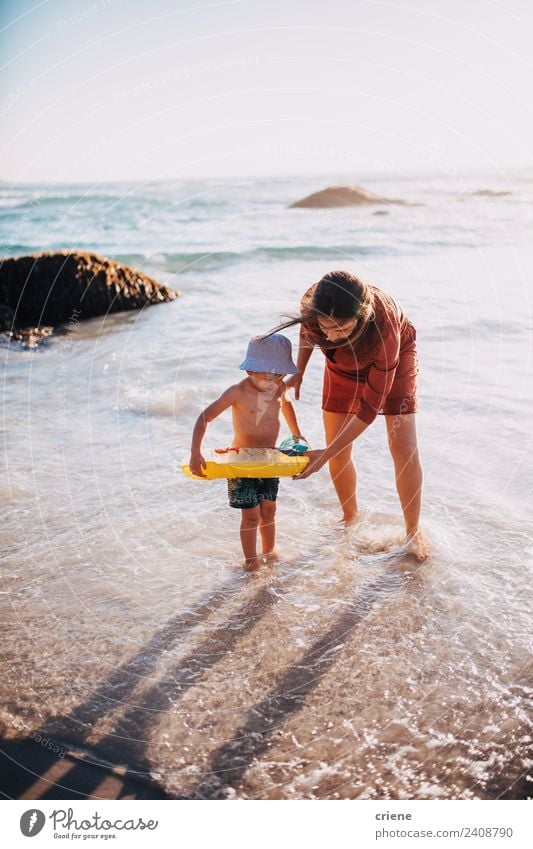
(273, 354)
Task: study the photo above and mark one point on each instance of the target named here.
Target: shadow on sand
(31, 770)
(32, 767)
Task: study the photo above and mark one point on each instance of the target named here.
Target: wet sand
(304, 729)
(31, 771)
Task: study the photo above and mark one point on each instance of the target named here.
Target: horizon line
(435, 169)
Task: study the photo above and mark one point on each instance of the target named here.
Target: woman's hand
(316, 461)
(295, 382)
(196, 463)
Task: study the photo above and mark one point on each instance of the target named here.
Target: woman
(371, 368)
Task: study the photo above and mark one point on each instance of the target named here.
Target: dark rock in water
(40, 291)
(491, 193)
(343, 196)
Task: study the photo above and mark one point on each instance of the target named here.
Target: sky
(112, 90)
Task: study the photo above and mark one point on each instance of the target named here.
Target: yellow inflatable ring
(248, 463)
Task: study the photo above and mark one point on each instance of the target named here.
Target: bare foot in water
(419, 545)
(252, 564)
(271, 557)
(349, 519)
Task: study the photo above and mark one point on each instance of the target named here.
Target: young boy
(256, 403)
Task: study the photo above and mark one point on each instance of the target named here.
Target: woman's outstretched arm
(353, 428)
(305, 349)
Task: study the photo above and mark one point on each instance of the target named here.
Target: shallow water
(348, 670)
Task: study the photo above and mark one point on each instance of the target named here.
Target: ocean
(131, 635)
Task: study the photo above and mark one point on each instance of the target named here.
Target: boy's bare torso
(256, 415)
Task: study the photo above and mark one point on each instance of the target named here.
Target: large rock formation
(342, 196)
(40, 291)
(491, 193)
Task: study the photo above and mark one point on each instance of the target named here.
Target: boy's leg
(267, 493)
(250, 518)
(267, 526)
(242, 493)
(341, 467)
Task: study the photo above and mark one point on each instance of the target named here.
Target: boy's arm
(287, 408)
(210, 413)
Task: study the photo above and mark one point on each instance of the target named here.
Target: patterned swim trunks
(249, 492)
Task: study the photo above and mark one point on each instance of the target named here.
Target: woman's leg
(401, 433)
(341, 467)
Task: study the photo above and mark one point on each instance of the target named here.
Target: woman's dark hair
(340, 295)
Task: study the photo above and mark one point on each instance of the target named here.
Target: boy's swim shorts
(249, 492)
